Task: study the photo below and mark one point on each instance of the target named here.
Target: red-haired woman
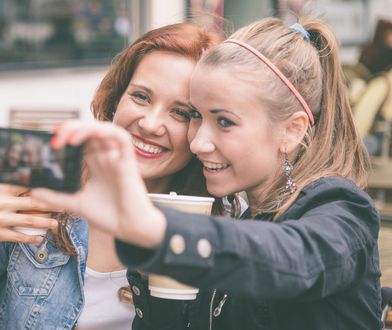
(73, 274)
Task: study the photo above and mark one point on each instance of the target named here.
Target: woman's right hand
(12, 207)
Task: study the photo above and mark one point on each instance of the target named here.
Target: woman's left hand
(114, 197)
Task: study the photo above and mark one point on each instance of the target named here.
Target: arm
(325, 250)
(313, 254)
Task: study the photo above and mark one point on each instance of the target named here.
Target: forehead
(165, 61)
(224, 87)
(164, 72)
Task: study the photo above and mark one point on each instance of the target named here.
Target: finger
(63, 132)
(23, 220)
(9, 235)
(12, 189)
(107, 134)
(69, 202)
(21, 204)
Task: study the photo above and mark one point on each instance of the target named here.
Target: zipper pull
(218, 309)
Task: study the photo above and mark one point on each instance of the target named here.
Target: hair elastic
(299, 28)
(278, 73)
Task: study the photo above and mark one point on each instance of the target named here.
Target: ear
(294, 131)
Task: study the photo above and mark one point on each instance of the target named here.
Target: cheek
(192, 129)
(178, 137)
(124, 117)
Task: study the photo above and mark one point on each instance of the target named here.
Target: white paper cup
(191, 204)
(163, 286)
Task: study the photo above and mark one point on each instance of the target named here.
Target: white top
(102, 309)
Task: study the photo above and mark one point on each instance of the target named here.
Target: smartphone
(27, 159)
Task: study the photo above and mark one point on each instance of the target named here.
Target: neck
(158, 186)
(102, 255)
(255, 197)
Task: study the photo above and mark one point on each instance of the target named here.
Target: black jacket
(316, 268)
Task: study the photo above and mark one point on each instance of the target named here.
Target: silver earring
(290, 186)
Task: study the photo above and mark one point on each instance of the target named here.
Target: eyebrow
(141, 87)
(215, 111)
(148, 90)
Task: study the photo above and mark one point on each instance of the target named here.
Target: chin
(218, 192)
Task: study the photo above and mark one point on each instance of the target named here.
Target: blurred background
(53, 54)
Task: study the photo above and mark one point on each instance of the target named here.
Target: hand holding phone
(27, 159)
(19, 210)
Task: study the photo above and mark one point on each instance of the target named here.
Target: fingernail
(54, 142)
(54, 224)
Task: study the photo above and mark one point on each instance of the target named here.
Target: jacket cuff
(191, 246)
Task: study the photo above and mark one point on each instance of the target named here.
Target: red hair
(185, 39)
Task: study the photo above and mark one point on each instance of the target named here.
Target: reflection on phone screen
(27, 159)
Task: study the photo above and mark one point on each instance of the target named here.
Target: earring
(290, 186)
(140, 122)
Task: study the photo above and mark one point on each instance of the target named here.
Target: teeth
(147, 147)
(215, 166)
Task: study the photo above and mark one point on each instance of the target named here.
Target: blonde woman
(270, 116)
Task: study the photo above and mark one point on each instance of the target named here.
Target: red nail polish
(71, 137)
(53, 142)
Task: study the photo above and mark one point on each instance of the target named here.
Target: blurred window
(348, 18)
(50, 33)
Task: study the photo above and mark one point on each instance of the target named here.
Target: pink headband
(278, 73)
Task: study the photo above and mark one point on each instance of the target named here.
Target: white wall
(49, 89)
(166, 12)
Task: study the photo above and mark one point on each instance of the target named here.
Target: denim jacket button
(41, 256)
(136, 290)
(139, 313)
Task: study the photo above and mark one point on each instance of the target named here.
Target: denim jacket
(47, 295)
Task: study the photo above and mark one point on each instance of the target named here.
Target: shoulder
(335, 196)
(334, 188)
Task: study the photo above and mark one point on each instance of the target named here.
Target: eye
(225, 123)
(181, 114)
(195, 114)
(140, 98)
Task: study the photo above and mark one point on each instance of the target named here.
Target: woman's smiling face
(155, 110)
(230, 132)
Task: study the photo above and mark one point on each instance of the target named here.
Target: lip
(209, 171)
(146, 154)
(148, 142)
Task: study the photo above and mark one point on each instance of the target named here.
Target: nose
(153, 122)
(200, 140)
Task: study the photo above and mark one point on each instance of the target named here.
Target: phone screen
(27, 159)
